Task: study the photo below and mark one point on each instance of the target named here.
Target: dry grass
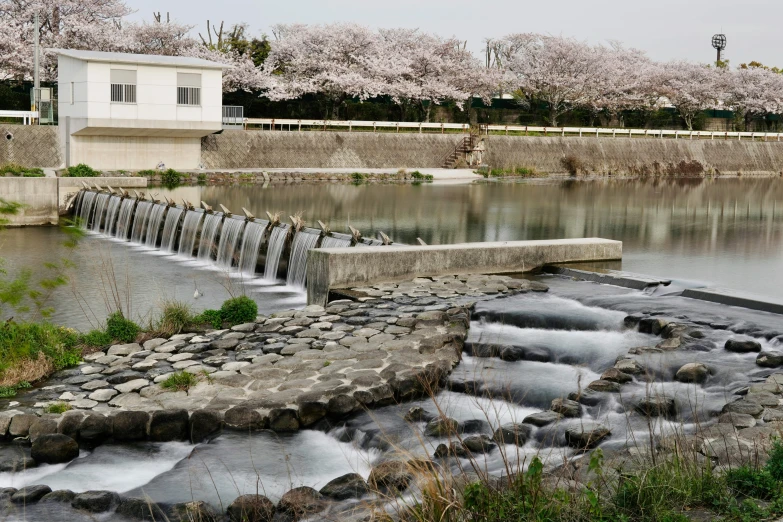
(27, 370)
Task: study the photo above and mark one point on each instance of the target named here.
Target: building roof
(139, 59)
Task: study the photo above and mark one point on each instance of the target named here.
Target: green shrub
(14, 169)
(170, 178)
(121, 329)
(96, 339)
(239, 310)
(27, 341)
(211, 317)
(67, 359)
(756, 483)
(57, 407)
(418, 176)
(176, 316)
(179, 381)
(358, 176)
(775, 462)
(202, 178)
(81, 171)
(6, 392)
(33, 173)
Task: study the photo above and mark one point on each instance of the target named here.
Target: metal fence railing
(26, 116)
(524, 130)
(233, 116)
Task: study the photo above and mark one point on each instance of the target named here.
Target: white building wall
(112, 153)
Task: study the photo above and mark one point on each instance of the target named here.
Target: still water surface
(724, 232)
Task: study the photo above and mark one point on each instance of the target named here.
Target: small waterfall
(229, 237)
(124, 219)
(208, 233)
(140, 222)
(297, 264)
(187, 239)
(170, 229)
(77, 204)
(274, 251)
(100, 207)
(153, 225)
(335, 242)
(86, 208)
(251, 243)
(111, 214)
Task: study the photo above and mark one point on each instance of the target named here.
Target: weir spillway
(255, 247)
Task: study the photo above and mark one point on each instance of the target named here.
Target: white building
(133, 111)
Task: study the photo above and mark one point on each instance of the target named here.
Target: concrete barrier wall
(240, 149)
(352, 267)
(633, 156)
(30, 145)
(69, 187)
(39, 197)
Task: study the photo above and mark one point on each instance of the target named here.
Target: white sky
(665, 29)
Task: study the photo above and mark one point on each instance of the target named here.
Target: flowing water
(251, 243)
(209, 231)
(153, 225)
(169, 237)
(111, 214)
(100, 208)
(142, 214)
(297, 265)
(274, 251)
(187, 239)
(85, 207)
(335, 242)
(229, 237)
(124, 219)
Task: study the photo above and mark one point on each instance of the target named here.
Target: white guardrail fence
(26, 116)
(299, 125)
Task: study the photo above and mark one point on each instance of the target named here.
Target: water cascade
(187, 239)
(170, 229)
(208, 233)
(251, 243)
(153, 225)
(124, 219)
(100, 208)
(229, 237)
(297, 265)
(274, 251)
(111, 214)
(140, 222)
(335, 242)
(86, 208)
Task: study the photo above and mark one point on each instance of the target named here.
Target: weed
(176, 315)
(57, 407)
(96, 339)
(201, 178)
(211, 317)
(170, 178)
(327, 363)
(238, 310)
(418, 176)
(9, 391)
(81, 171)
(358, 177)
(14, 169)
(572, 165)
(179, 381)
(121, 329)
(148, 173)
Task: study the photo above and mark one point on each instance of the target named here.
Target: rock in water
(205, 425)
(96, 501)
(657, 406)
(586, 436)
(744, 406)
(693, 372)
(441, 427)
(347, 486)
(566, 407)
(542, 418)
(168, 425)
(736, 345)
(301, 502)
(512, 434)
(770, 359)
(54, 448)
(392, 476)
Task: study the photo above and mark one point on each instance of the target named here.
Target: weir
(169, 236)
(153, 225)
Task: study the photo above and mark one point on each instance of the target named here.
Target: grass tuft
(179, 381)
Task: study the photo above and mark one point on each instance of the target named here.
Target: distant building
(135, 111)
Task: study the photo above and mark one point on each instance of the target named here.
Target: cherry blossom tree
(754, 91)
(692, 88)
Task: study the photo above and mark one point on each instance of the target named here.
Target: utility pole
(36, 65)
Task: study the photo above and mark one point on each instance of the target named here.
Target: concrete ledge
(39, 197)
(346, 267)
(726, 297)
(69, 187)
(609, 277)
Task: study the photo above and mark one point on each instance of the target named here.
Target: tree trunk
(552, 117)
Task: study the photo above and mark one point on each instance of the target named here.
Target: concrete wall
(237, 149)
(69, 187)
(636, 155)
(353, 267)
(135, 152)
(30, 146)
(39, 197)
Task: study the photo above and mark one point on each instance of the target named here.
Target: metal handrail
(26, 116)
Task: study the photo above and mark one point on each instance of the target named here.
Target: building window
(188, 89)
(123, 86)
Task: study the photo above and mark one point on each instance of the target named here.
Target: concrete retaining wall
(30, 146)
(39, 197)
(275, 149)
(634, 156)
(352, 267)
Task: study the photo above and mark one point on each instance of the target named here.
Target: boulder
(744, 406)
(96, 501)
(738, 420)
(130, 425)
(477, 444)
(587, 397)
(770, 359)
(342, 405)
(566, 407)
(42, 426)
(441, 427)
(251, 508)
(512, 434)
(205, 425)
(392, 476)
(30, 494)
(245, 418)
(140, 509)
(350, 485)
(740, 346)
(195, 511)
(94, 429)
(693, 372)
(15, 458)
(585, 436)
(657, 406)
(54, 448)
(168, 425)
(418, 414)
(604, 386)
(629, 366)
(311, 412)
(69, 424)
(20, 425)
(542, 418)
(65, 496)
(283, 419)
(615, 375)
(300, 503)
